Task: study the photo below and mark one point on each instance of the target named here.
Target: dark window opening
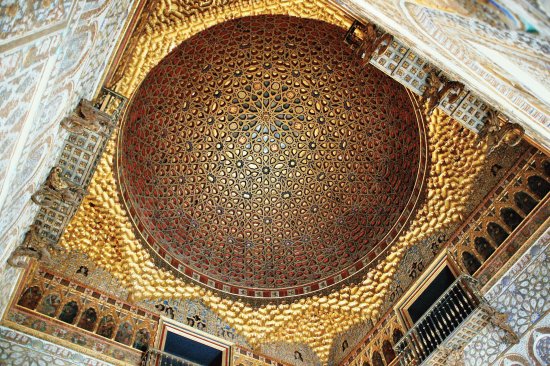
(525, 202)
(452, 304)
(434, 290)
(192, 351)
(497, 233)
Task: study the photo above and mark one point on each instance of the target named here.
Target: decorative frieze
(522, 194)
(68, 312)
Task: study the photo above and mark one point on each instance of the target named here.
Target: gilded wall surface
(103, 231)
(52, 54)
(488, 47)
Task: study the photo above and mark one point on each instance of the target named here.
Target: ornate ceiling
(102, 227)
(263, 159)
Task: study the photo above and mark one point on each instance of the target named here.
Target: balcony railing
(155, 357)
(89, 128)
(440, 335)
(110, 102)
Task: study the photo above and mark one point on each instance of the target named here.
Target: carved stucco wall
(17, 348)
(52, 54)
(523, 294)
(8, 282)
(508, 67)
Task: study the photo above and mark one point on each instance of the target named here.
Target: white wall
(458, 45)
(52, 54)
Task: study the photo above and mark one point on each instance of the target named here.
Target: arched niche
(49, 305)
(387, 350)
(377, 359)
(69, 312)
(396, 336)
(471, 263)
(106, 326)
(483, 247)
(525, 202)
(88, 319)
(142, 340)
(30, 297)
(124, 333)
(510, 217)
(538, 185)
(497, 233)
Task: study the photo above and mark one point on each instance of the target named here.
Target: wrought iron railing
(155, 357)
(449, 325)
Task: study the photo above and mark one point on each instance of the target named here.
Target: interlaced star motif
(261, 154)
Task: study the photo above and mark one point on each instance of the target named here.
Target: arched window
(510, 217)
(49, 305)
(88, 319)
(546, 167)
(539, 186)
(30, 298)
(106, 326)
(497, 233)
(377, 359)
(388, 352)
(470, 262)
(483, 247)
(524, 202)
(124, 333)
(397, 335)
(142, 340)
(69, 312)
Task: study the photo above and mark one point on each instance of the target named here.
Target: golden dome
(261, 159)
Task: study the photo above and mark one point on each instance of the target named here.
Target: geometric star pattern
(260, 155)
